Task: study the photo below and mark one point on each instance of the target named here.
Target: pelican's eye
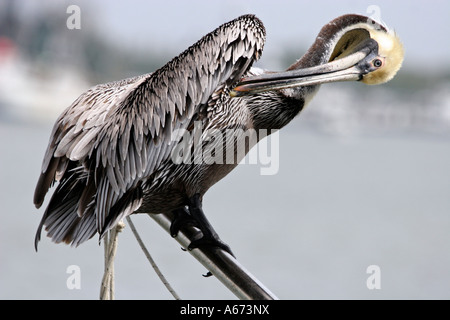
(377, 63)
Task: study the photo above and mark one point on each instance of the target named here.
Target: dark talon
(193, 215)
(181, 219)
(210, 241)
(210, 236)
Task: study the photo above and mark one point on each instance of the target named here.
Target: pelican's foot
(210, 237)
(181, 219)
(211, 242)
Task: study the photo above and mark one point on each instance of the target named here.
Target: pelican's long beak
(350, 68)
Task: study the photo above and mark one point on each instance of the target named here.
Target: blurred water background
(363, 177)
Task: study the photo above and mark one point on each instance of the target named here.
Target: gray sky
(174, 25)
(422, 25)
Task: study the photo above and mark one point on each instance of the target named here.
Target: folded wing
(115, 135)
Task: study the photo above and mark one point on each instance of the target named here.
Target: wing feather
(120, 132)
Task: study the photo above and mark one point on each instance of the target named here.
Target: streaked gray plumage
(111, 149)
(109, 146)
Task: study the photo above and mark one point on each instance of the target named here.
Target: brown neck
(320, 52)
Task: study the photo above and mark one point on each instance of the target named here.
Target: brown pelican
(112, 150)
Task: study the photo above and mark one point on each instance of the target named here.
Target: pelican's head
(390, 56)
(386, 60)
(349, 48)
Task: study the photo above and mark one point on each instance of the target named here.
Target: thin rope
(152, 262)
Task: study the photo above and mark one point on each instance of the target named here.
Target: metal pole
(221, 264)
